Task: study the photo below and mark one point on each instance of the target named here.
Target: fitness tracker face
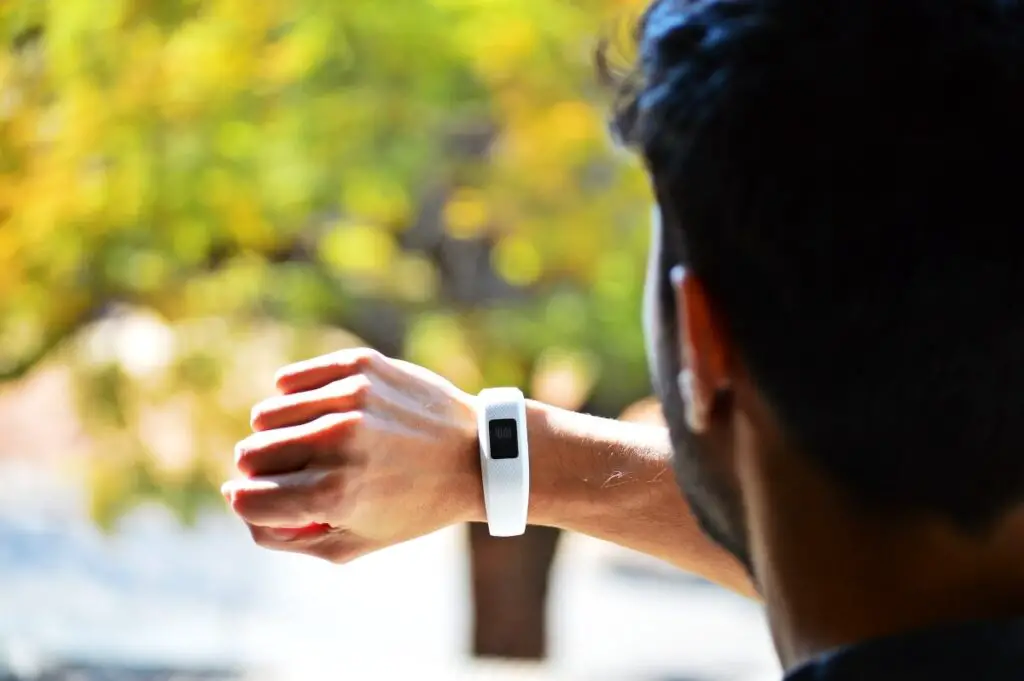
(504, 438)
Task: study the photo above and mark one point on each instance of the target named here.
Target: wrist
(469, 487)
(558, 479)
(542, 434)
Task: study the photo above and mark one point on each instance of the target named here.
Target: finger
(277, 539)
(336, 546)
(297, 408)
(283, 534)
(320, 371)
(289, 501)
(282, 450)
(288, 535)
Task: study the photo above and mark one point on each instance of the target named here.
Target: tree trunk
(510, 592)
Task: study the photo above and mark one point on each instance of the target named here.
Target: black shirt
(985, 651)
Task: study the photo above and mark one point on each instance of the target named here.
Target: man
(835, 337)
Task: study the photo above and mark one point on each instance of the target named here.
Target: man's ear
(703, 349)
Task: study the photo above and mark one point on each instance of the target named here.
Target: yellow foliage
(414, 279)
(358, 249)
(376, 198)
(237, 139)
(202, 64)
(245, 222)
(293, 57)
(574, 122)
(439, 342)
(517, 260)
(466, 214)
(497, 44)
(82, 116)
(142, 71)
(302, 159)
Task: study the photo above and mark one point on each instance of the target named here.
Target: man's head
(839, 263)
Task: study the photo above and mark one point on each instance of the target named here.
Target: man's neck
(832, 576)
(860, 603)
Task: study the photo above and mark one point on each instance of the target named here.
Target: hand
(359, 452)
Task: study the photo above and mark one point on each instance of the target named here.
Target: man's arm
(382, 451)
(614, 481)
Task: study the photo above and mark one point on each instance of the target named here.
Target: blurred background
(195, 192)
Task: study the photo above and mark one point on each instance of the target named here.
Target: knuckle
(248, 449)
(341, 553)
(362, 358)
(241, 452)
(339, 425)
(262, 540)
(242, 505)
(356, 388)
(340, 359)
(325, 492)
(286, 372)
(258, 414)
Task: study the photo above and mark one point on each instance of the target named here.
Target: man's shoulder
(977, 651)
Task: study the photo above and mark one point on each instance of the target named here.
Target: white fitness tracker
(504, 460)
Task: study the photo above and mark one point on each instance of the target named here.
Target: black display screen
(504, 439)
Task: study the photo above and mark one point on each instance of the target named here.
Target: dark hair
(846, 177)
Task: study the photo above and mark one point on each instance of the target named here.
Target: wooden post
(510, 592)
(511, 576)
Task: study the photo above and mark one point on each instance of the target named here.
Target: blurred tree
(429, 174)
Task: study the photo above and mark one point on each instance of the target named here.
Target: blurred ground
(157, 602)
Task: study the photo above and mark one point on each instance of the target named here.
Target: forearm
(614, 481)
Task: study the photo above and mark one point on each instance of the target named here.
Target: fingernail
(291, 533)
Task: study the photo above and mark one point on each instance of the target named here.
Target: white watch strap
(504, 460)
